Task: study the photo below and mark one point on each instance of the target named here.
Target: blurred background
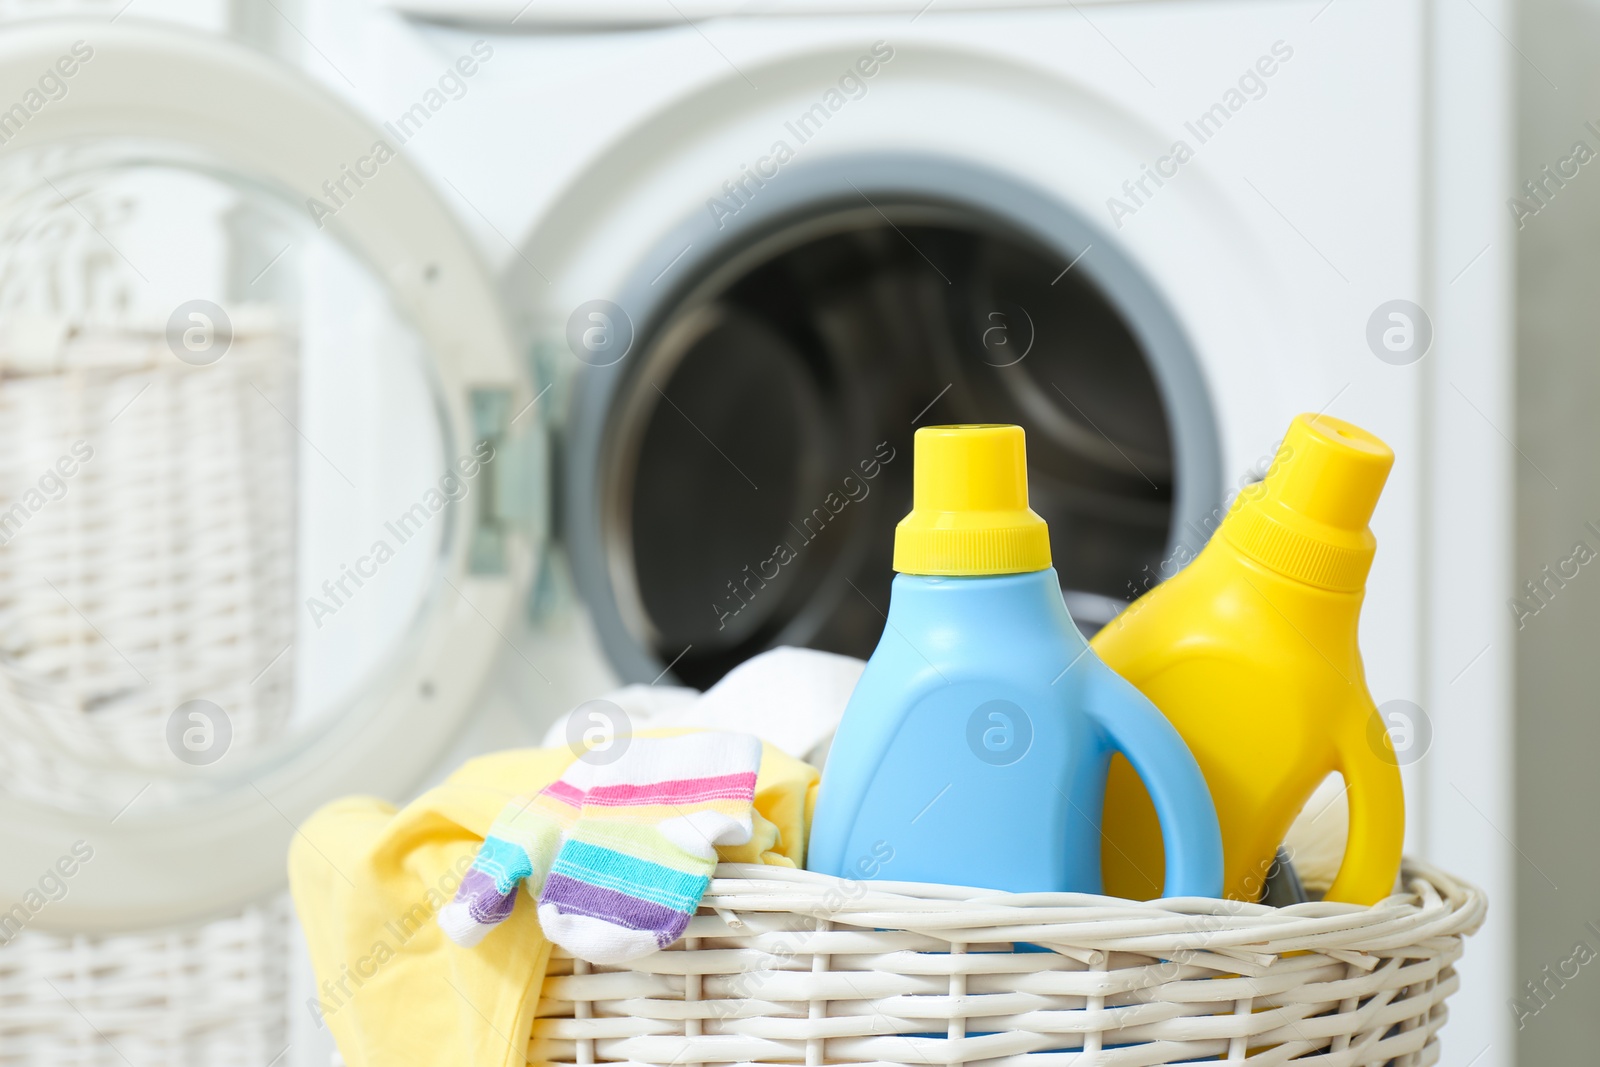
(378, 380)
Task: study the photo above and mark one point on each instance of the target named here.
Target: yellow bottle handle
(1377, 817)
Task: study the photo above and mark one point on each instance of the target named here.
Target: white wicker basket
(161, 571)
(215, 994)
(788, 967)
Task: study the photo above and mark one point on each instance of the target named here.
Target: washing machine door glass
(244, 482)
(754, 455)
(205, 440)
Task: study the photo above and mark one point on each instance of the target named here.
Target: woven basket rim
(1433, 906)
(788, 967)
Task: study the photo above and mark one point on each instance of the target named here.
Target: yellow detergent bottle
(1250, 651)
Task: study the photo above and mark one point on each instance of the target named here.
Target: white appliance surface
(1275, 243)
(1274, 170)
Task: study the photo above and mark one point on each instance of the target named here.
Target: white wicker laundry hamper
(160, 571)
(789, 967)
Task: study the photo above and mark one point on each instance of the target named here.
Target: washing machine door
(269, 475)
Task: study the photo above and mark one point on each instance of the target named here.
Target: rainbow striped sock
(522, 844)
(633, 869)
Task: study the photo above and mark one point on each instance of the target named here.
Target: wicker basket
(163, 573)
(215, 994)
(788, 967)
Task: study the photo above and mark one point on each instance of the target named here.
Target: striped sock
(522, 844)
(633, 869)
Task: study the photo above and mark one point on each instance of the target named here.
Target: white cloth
(792, 698)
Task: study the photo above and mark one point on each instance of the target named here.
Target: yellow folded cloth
(367, 880)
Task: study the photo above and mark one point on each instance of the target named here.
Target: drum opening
(758, 447)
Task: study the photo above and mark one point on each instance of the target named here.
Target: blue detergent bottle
(974, 750)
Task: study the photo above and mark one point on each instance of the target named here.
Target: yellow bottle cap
(969, 508)
(1308, 519)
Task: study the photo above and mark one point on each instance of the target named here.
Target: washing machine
(479, 359)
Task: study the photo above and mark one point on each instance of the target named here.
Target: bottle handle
(1377, 816)
(1190, 834)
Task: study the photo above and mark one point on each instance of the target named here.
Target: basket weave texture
(163, 571)
(789, 967)
(216, 994)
